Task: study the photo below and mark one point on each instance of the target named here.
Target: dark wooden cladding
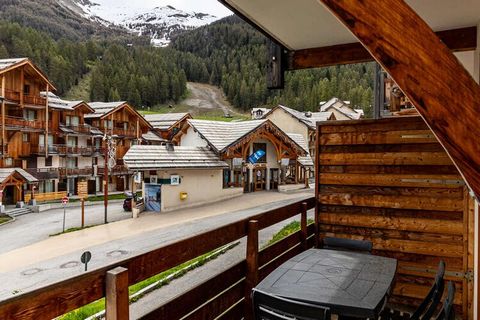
(59, 298)
(463, 39)
(408, 199)
(434, 80)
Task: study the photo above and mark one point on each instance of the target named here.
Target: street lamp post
(105, 177)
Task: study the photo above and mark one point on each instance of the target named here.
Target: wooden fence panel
(390, 182)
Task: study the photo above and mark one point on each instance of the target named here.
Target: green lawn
(287, 230)
(4, 219)
(72, 230)
(177, 272)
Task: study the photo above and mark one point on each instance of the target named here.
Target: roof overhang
(29, 64)
(315, 37)
(131, 110)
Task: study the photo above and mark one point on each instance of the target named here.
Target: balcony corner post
(3, 115)
(303, 226)
(252, 276)
(116, 297)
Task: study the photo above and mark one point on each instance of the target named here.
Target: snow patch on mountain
(161, 24)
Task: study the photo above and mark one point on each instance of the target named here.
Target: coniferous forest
(228, 53)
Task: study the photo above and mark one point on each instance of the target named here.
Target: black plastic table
(351, 284)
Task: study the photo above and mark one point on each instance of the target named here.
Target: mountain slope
(53, 17)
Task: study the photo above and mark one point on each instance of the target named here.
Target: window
(125, 126)
(108, 124)
(8, 162)
(72, 141)
(29, 114)
(26, 89)
(25, 137)
(226, 178)
(72, 120)
(261, 146)
(72, 163)
(48, 162)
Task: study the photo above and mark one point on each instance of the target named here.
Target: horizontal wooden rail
(61, 297)
(47, 196)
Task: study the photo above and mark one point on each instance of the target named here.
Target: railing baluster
(303, 226)
(252, 266)
(116, 298)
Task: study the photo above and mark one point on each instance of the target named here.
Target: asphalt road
(35, 227)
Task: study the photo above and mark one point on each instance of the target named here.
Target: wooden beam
(46, 120)
(443, 92)
(463, 39)
(251, 279)
(3, 115)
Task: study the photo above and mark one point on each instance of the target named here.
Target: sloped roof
(309, 120)
(9, 64)
(56, 102)
(6, 172)
(164, 121)
(141, 157)
(152, 136)
(221, 135)
(305, 161)
(102, 108)
(342, 107)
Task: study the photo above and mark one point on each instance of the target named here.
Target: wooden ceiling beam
(463, 39)
(437, 84)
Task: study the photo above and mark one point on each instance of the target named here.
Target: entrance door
(274, 176)
(259, 178)
(9, 195)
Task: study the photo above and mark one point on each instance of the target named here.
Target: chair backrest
(270, 307)
(347, 244)
(448, 312)
(431, 302)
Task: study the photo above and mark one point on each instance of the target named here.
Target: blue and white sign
(254, 157)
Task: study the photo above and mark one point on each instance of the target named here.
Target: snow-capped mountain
(159, 23)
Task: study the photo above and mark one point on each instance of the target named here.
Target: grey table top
(351, 284)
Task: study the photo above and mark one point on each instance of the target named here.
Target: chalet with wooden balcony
(126, 126)
(282, 156)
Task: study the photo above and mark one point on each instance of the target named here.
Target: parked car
(127, 203)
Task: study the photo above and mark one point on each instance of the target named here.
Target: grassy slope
(82, 90)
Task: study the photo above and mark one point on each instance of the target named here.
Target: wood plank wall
(391, 182)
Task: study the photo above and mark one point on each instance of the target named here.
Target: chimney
(170, 146)
(308, 114)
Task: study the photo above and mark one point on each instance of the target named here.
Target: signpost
(85, 258)
(64, 202)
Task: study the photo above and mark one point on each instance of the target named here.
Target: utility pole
(105, 177)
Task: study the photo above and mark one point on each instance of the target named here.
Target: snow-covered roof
(7, 64)
(102, 108)
(164, 121)
(6, 172)
(152, 136)
(141, 157)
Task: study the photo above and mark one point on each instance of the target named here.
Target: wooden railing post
(303, 226)
(252, 266)
(116, 298)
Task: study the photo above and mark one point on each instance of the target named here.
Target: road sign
(85, 258)
(65, 200)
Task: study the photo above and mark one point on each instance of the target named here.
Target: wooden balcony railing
(62, 149)
(69, 172)
(224, 296)
(80, 128)
(35, 100)
(24, 123)
(117, 170)
(120, 131)
(12, 95)
(44, 173)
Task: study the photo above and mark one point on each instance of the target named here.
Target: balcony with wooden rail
(44, 173)
(19, 122)
(75, 172)
(80, 128)
(122, 132)
(15, 96)
(119, 169)
(66, 150)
